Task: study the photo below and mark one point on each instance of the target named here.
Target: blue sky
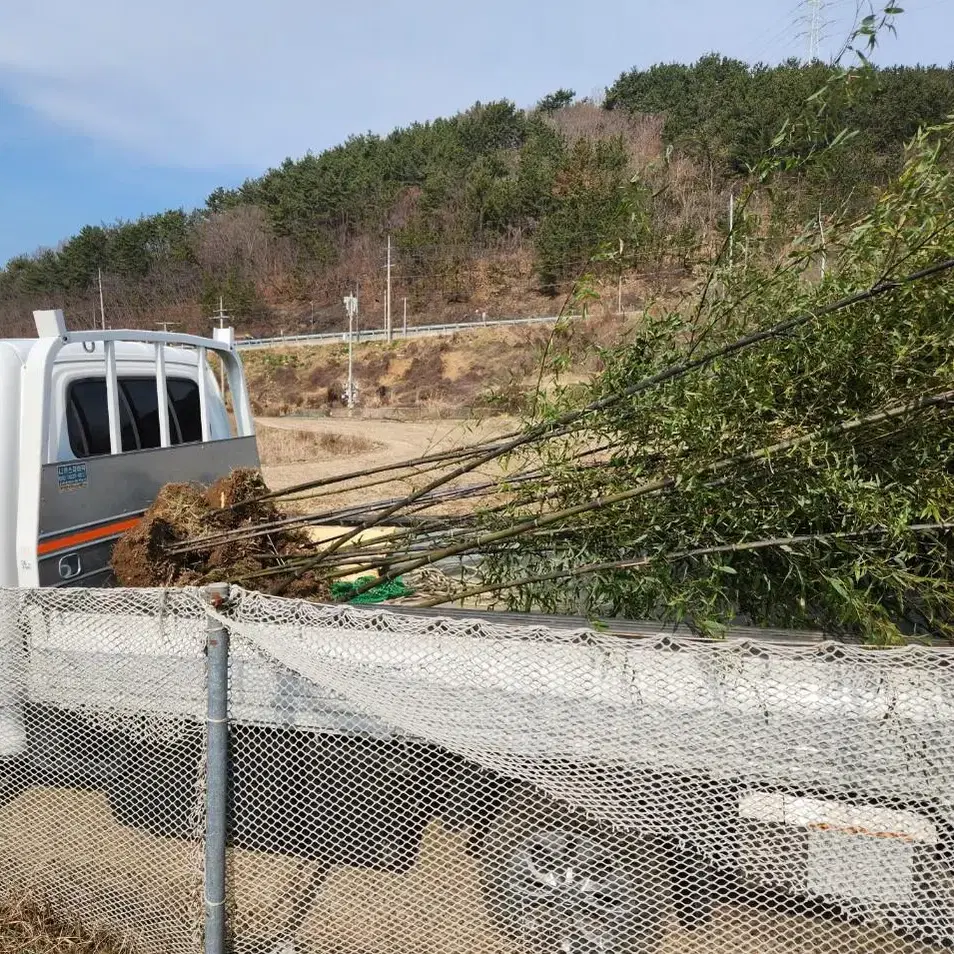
(113, 109)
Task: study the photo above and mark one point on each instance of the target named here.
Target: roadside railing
(381, 334)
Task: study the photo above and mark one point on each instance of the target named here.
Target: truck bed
(813, 716)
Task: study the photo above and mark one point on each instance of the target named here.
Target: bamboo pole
(672, 372)
(633, 564)
(662, 483)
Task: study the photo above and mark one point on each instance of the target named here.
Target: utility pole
(387, 305)
(405, 317)
(102, 308)
(814, 28)
(313, 316)
(351, 306)
(220, 318)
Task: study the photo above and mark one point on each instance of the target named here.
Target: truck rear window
(88, 420)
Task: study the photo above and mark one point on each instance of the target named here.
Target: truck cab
(92, 425)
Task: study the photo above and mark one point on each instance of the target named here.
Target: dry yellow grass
(29, 925)
(460, 371)
(284, 446)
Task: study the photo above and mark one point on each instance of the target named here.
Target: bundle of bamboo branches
(517, 518)
(723, 467)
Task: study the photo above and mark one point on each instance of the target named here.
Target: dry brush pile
(28, 925)
(221, 525)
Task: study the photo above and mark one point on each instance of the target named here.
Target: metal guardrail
(380, 334)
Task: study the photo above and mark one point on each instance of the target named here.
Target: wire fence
(395, 783)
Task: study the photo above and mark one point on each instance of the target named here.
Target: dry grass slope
(490, 371)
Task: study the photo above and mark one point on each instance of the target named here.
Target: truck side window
(87, 419)
(88, 399)
(185, 402)
(77, 434)
(142, 398)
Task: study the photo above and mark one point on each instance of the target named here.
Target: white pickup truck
(98, 421)
(92, 425)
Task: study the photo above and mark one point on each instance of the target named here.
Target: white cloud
(183, 83)
(212, 82)
(245, 83)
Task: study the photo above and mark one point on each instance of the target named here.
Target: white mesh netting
(102, 736)
(405, 784)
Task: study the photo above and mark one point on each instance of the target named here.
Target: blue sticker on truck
(71, 476)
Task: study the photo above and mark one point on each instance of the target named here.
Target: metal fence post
(217, 769)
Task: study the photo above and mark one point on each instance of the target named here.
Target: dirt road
(395, 441)
(63, 846)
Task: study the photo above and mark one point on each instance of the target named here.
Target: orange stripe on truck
(93, 535)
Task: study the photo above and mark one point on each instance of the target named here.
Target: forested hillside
(498, 208)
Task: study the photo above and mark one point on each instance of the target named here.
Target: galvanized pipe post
(217, 772)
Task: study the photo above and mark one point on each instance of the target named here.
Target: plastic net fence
(102, 738)
(527, 789)
(409, 784)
